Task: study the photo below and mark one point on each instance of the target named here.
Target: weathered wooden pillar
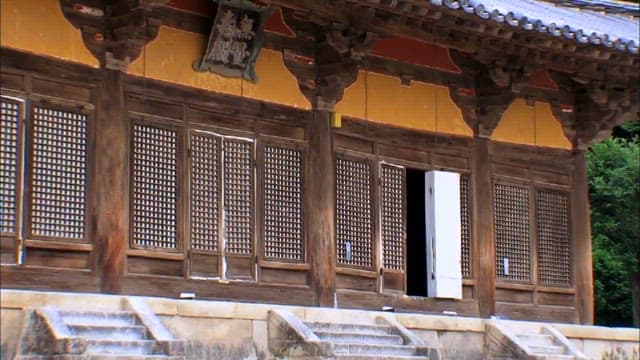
(111, 174)
(581, 235)
(321, 211)
(115, 38)
(483, 226)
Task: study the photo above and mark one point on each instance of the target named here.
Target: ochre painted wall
(383, 99)
(531, 125)
(171, 55)
(38, 26)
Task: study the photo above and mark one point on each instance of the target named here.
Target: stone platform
(233, 330)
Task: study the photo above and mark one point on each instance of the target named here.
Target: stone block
(250, 311)
(19, 299)
(330, 315)
(206, 309)
(84, 301)
(461, 345)
(442, 323)
(11, 321)
(160, 306)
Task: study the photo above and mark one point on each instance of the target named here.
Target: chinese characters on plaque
(236, 39)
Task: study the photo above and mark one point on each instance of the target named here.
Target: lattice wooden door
(393, 225)
(10, 121)
(222, 206)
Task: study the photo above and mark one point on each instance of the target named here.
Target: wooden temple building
(423, 155)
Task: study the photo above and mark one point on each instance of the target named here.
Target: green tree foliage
(614, 189)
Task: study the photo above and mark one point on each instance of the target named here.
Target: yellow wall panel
(353, 102)
(38, 26)
(449, 117)
(171, 55)
(517, 124)
(531, 125)
(548, 129)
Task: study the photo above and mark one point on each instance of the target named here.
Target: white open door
(443, 229)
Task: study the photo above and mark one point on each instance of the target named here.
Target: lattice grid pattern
(512, 232)
(59, 174)
(353, 213)
(283, 169)
(154, 187)
(10, 120)
(465, 226)
(392, 199)
(554, 259)
(205, 191)
(238, 196)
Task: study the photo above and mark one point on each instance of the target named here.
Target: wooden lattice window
(238, 195)
(554, 260)
(10, 115)
(155, 187)
(283, 180)
(59, 173)
(392, 199)
(465, 226)
(513, 247)
(354, 231)
(205, 191)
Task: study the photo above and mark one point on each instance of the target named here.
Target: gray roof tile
(582, 23)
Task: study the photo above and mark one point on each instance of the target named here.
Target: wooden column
(581, 235)
(111, 174)
(321, 209)
(483, 227)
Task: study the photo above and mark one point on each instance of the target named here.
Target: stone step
(350, 328)
(377, 350)
(559, 357)
(110, 332)
(116, 318)
(122, 347)
(536, 339)
(377, 339)
(547, 349)
(379, 357)
(133, 357)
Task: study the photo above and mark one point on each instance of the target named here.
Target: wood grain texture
(111, 212)
(321, 209)
(581, 236)
(483, 227)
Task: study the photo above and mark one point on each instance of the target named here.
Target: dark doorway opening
(416, 234)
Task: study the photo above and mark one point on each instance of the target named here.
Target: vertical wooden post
(483, 227)
(581, 235)
(111, 174)
(321, 208)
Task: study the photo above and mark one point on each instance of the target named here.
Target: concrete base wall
(228, 330)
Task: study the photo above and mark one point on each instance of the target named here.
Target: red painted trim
(275, 23)
(416, 52)
(542, 80)
(202, 7)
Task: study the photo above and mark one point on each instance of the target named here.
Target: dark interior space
(416, 234)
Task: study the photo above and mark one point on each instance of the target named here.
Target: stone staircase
(519, 340)
(134, 333)
(356, 341)
(382, 339)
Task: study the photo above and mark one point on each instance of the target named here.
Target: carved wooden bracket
(595, 110)
(484, 104)
(115, 32)
(339, 52)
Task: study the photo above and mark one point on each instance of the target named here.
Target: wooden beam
(111, 174)
(581, 236)
(321, 209)
(483, 227)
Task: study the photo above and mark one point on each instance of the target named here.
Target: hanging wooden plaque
(235, 41)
